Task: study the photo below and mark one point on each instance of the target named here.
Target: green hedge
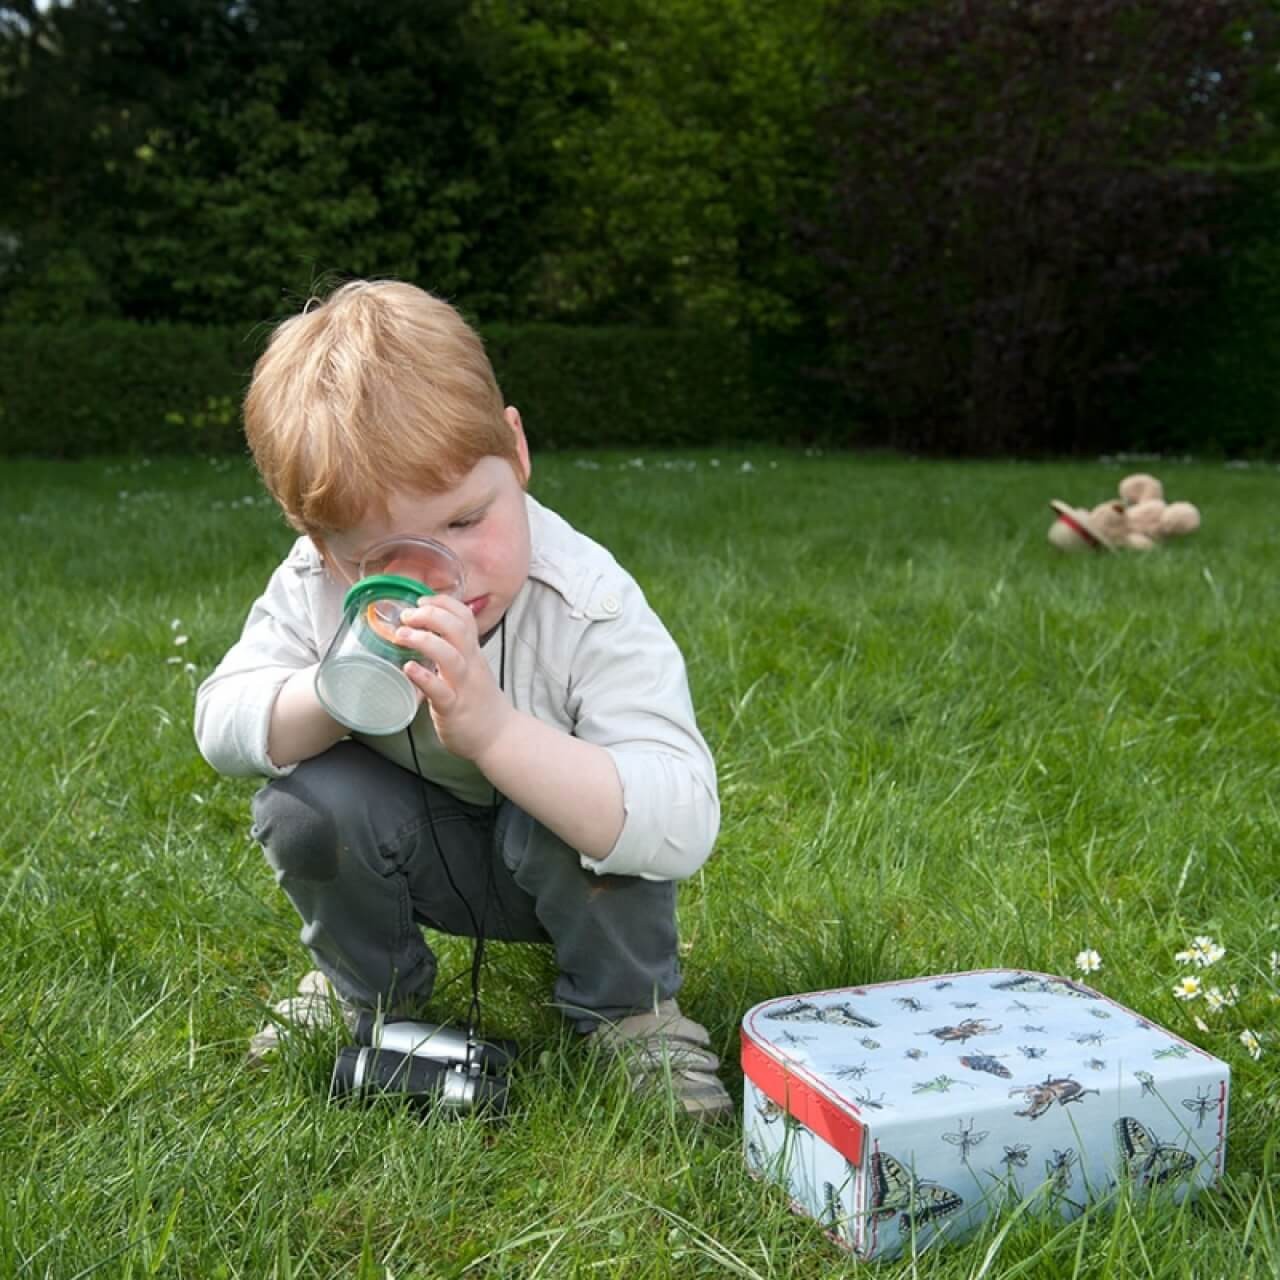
(114, 386)
(118, 387)
(1214, 387)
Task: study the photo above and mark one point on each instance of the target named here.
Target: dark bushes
(115, 386)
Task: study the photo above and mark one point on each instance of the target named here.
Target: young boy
(567, 785)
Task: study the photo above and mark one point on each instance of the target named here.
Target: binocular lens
(367, 1073)
(443, 1044)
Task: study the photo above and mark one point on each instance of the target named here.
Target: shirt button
(610, 604)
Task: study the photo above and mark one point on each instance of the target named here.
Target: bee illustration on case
(1015, 1156)
(1096, 1064)
(1040, 1097)
(1032, 1030)
(1147, 1160)
(1172, 1051)
(910, 1004)
(1031, 1051)
(915, 1054)
(864, 1099)
(964, 1004)
(1148, 1083)
(986, 1062)
(896, 1191)
(964, 1031)
(1099, 1013)
(1021, 1006)
(1200, 1105)
(868, 1043)
(966, 1139)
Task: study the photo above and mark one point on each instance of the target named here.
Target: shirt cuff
(670, 819)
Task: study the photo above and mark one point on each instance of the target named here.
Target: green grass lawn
(942, 745)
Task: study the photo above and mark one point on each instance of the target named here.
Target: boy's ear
(512, 416)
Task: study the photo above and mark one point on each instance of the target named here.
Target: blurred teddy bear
(1139, 521)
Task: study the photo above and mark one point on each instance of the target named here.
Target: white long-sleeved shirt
(584, 651)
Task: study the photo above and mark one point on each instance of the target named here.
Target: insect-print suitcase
(905, 1113)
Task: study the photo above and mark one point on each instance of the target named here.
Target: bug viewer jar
(361, 681)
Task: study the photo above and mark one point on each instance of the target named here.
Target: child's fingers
(429, 684)
(442, 620)
(430, 644)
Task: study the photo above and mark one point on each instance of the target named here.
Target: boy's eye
(466, 522)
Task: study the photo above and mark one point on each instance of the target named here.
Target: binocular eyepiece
(429, 1065)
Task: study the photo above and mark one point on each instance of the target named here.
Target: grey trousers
(358, 849)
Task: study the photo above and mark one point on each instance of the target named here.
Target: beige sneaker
(317, 1005)
(664, 1045)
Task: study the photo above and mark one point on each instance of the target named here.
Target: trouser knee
(297, 829)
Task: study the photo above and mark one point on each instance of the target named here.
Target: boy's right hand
(468, 708)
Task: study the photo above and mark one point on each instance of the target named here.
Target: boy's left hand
(468, 708)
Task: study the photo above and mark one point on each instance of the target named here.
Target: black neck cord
(477, 926)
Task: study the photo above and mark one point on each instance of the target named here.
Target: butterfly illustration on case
(1024, 983)
(838, 1015)
(1147, 1160)
(896, 1191)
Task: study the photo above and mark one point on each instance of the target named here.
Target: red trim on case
(802, 1101)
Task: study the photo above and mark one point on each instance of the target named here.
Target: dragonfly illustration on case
(965, 1138)
(1200, 1105)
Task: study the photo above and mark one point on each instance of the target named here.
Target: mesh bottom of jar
(366, 695)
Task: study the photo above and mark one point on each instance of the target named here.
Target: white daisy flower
(1188, 987)
(1088, 961)
(1252, 1042)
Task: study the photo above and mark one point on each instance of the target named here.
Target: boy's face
(482, 520)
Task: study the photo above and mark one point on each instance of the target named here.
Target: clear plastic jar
(361, 681)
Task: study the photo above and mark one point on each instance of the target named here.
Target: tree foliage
(1018, 185)
(678, 184)
(584, 160)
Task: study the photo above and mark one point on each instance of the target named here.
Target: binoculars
(430, 1066)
